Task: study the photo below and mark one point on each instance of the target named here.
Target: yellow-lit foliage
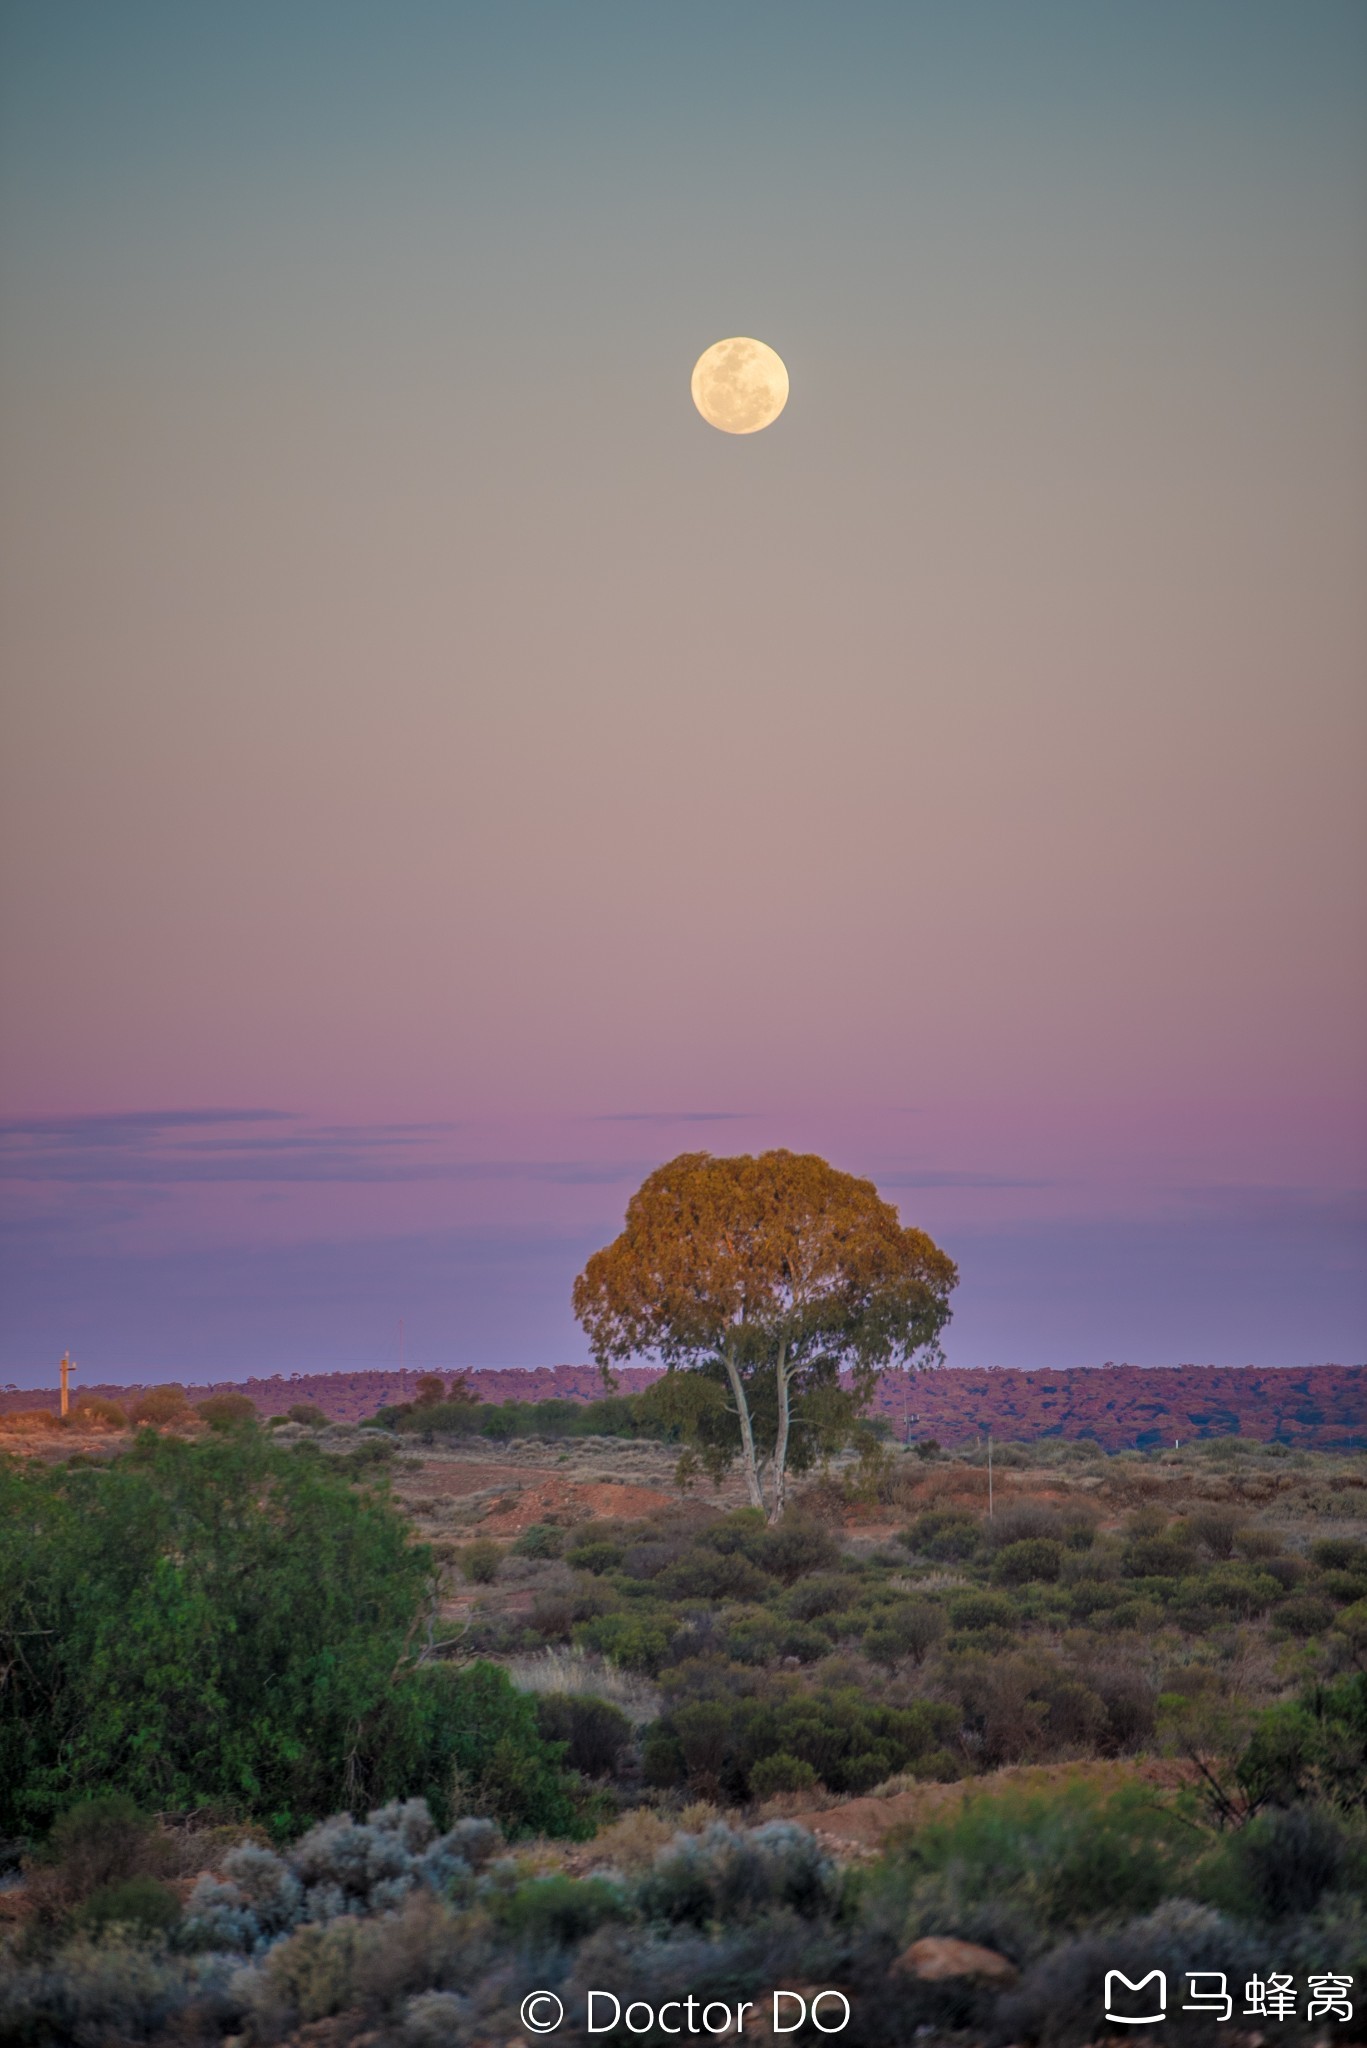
(772, 1275)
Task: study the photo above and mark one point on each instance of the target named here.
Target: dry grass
(572, 1670)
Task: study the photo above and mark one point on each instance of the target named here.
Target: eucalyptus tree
(769, 1281)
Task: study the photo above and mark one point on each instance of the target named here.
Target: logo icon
(542, 2012)
(1141, 1994)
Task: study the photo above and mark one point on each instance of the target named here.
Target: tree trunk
(747, 1434)
(781, 1438)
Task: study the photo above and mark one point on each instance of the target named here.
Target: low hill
(1120, 1407)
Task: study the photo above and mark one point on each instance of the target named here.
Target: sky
(441, 778)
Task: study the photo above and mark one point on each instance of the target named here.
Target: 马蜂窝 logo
(1139, 1996)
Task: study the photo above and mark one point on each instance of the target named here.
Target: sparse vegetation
(1165, 1655)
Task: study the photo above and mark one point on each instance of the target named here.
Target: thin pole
(66, 1369)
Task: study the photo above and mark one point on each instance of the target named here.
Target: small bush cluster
(338, 1869)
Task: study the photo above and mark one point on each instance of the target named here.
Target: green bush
(1313, 1748)
(1063, 1857)
(705, 1574)
(1304, 1614)
(754, 1637)
(542, 1539)
(229, 1623)
(1155, 1557)
(160, 1405)
(639, 1642)
(143, 1905)
(910, 1629)
(1215, 1530)
(796, 1549)
(948, 1536)
(480, 1561)
(1034, 1557)
(226, 1411)
(714, 1740)
(1339, 1554)
(593, 1731)
(781, 1773)
(595, 1557)
(1290, 1858)
(307, 1413)
(818, 1596)
(983, 1610)
(556, 1911)
(96, 1408)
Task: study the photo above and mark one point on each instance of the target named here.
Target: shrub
(949, 1536)
(781, 1773)
(1056, 2003)
(118, 1987)
(97, 1843)
(307, 1414)
(1033, 1557)
(754, 1637)
(159, 1406)
(1155, 1557)
(595, 1557)
(734, 1877)
(1290, 1858)
(1339, 1554)
(593, 1731)
(557, 1911)
(226, 1411)
(710, 1575)
(1304, 1614)
(144, 1905)
(1258, 1543)
(805, 1643)
(910, 1630)
(1215, 1531)
(796, 1549)
(1311, 1748)
(105, 1414)
(274, 1602)
(819, 1596)
(983, 1610)
(638, 1641)
(714, 1739)
(1025, 1521)
(480, 1561)
(1063, 1856)
(542, 1539)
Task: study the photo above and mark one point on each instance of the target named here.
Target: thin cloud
(675, 1116)
(167, 1148)
(934, 1177)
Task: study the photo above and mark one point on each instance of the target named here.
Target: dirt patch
(451, 1480)
(553, 1499)
(506, 1499)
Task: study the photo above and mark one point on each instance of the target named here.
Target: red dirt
(530, 1494)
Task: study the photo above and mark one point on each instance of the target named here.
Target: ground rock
(938, 1956)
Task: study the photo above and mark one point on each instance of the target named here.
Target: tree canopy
(765, 1279)
(236, 1625)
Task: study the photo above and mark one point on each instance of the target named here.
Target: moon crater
(740, 385)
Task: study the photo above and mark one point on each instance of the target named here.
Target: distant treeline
(619, 1415)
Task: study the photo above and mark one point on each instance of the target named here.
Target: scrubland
(534, 1718)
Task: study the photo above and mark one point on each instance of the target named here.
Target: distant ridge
(1121, 1407)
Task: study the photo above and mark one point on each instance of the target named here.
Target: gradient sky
(442, 778)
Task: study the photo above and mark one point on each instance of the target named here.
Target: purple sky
(442, 778)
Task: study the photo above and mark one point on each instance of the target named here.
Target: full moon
(740, 385)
